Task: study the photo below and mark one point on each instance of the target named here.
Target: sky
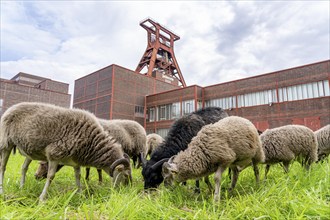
(220, 41)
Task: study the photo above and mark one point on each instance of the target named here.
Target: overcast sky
(220, 40)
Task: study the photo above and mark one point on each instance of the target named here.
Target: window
(175, 110)
(304, 91)
(162, 132)
(139, 111)
(188, 106)
(165, 112)
(326, 87)
(152, 115)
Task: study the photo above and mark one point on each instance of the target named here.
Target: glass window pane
(315, 90)
(309, 90)
(304, 91)
(321, 89)
(290, 98)
(326, 87)
(299, 92)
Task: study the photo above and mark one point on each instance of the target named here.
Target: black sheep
(178, 138)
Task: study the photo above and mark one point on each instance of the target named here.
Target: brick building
(299, 95)
(25, 87)
(115, 92)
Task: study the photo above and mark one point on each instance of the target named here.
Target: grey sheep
(153, 140)
(287, 143)
(231, 142)
(60, 136)
(323, 140)
(131, 135)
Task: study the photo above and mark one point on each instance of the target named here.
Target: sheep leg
(77, 176)
(25, 167)
(87, 173)
(234, 179)
(217, 180)
(99, 171)
(52, 167)
(256, 171)
(209, 185)
(3, 163)
(197, 188)
(286, 166)
(267, 170)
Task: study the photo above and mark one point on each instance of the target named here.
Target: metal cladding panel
(94, 91)
(130, 89)
(172, 96)
(13, 93)
(300, 75)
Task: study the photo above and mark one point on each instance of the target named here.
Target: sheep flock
(203, 143)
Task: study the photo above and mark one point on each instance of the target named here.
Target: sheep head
(42, 171)
(121, 171)
(169, 172)
(152, 173)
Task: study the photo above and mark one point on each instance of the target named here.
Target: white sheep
(231, 142)
(323, 140)
(60, 136)
(287, 143)
(153, 140)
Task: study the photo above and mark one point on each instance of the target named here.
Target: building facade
(25, 87)
(298, 95)
(115, 92)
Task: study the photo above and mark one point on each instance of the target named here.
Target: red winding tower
(159, 56)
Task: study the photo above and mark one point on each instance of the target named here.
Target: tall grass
(297, 195)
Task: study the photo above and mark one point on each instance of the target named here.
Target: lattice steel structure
(159, 56)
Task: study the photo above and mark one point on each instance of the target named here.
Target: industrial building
(25, 87)
(115, 92)
(155, 94)
(299, 95)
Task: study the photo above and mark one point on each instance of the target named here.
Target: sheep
(231, 142)
(323, 140)
(60, 136)
(287, 143)
(130, 134)
(177, 139)
(153, 140)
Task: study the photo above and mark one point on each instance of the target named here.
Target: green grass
(297, 195)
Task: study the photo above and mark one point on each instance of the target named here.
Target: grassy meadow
(297, 195)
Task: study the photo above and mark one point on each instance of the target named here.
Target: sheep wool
(60, 136)
(323, 140)
(231, 142)
(130, 134)
(153, 140)
(177, 139)
(289, 142)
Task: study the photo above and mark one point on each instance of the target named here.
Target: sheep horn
(159, 163)
(123, 161)
(143, 160)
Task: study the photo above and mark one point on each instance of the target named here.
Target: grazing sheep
(178, 138)
(131, 135)
(153, 140)
(60, 136)
(231, 142)
(323, 140)
(289, 142)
